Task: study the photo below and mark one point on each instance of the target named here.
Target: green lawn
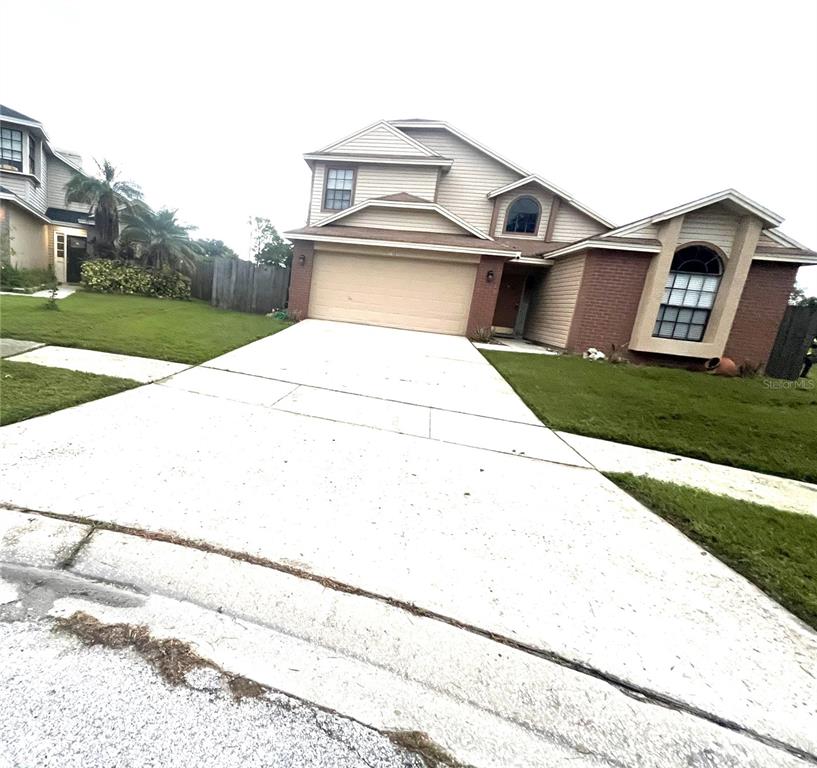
(760, 424)
(182, 331)
(28, 390)
(772, 548)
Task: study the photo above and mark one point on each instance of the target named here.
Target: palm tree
(104, 196)
(163, 241)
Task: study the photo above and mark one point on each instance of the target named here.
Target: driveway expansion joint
(637, 692)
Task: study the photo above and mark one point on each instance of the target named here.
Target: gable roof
(617, 238)
(731, 196)
(534, 179)
(15, 115)
(408, 146)
(527, 177)
(416, 204)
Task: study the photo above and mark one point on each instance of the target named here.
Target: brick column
(483, 302)
(300, 279)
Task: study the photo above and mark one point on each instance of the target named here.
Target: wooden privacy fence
(241, 285)
(798, 328)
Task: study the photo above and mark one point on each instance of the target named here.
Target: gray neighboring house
(40, 227)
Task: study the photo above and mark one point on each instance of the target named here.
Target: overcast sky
(632, 107)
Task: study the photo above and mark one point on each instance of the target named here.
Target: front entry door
(508, 299)
(77, 249)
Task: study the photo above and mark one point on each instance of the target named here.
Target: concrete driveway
(401, 464)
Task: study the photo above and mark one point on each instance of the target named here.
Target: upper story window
(11, 149)
(32, 155)
(689, 294)
(340, 183)
(523, 216)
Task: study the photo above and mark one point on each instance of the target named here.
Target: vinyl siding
(378, 141)
(29, 238)
(572, 225)
(551, 311)
(397, 218)
(464, 189)
(545, 200)
(767, 241)
(377, 181)
(710, 225)
(59, 174)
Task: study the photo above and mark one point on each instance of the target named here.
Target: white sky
(631, 106)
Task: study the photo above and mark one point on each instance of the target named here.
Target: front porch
(517, 288)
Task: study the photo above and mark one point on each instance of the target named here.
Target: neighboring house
(412, 224)
(40, 227)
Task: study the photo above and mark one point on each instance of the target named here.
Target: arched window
(523, 216)
(689, 294)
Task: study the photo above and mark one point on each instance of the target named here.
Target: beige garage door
(418, 294)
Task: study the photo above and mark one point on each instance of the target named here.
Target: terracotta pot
(721, 366)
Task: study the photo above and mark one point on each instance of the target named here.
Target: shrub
(106, 276)
(13, 277)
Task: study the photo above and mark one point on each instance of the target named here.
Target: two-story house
(412, 224)
(37, 227)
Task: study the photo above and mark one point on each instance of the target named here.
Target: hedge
(107, 276)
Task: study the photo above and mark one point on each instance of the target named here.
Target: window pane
(681, 281)
(696, 332)
(681, 331)
(665, 297)
(711, 283)
(676, 296)
(699, 316)
(706, 300)
(670, 313)
(696, 282)
(684, 315)
(666, 329)
(691, 299)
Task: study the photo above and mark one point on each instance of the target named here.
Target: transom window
(11, 149)
(689, 294)
(339, 185)
(523, 216)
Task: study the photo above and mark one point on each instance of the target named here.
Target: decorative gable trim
(534, 179)
(415, 147)
(413, 206)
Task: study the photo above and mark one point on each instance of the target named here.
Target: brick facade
(300, 279)
(608, 300)
(762, 304)
(483, 301)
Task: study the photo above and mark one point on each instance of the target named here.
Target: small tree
(104, 196)
(163, 241)
(215, 249)
(798, 298)
(267, 246)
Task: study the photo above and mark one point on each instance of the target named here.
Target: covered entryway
(420, 292)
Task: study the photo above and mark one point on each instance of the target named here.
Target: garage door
(418, 294)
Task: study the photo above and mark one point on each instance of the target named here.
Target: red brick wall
(762, 304)
(300, 279)
(483, 301)
(608, 300)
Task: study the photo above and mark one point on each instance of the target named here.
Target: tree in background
(266, 245)
(160, 239)
(104, 196)
(798, 298)
(215, 249)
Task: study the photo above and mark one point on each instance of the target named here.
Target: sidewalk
(743, 484)
(141, 369)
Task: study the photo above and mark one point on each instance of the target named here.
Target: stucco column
(653, 290)
(300, 279)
